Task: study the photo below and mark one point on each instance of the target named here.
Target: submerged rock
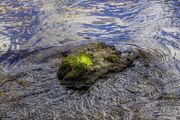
(84, 65)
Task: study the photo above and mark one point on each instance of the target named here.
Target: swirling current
(34, 32)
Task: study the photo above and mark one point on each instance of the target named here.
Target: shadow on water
(34, 33)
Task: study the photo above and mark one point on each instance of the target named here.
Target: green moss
(75, 66)
(113, 58)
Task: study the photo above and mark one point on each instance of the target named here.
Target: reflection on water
(18, 21)
(34, 32)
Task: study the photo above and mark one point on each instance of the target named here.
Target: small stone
(22, 82)
(1, 93)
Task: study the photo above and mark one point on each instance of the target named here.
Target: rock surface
(84, 65)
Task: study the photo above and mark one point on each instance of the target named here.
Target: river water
(34, 32)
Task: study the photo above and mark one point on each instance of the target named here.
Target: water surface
(34, 32)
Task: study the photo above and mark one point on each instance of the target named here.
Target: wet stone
(82, 66)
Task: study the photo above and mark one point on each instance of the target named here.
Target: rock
(84, 65)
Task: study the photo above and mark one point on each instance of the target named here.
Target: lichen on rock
(84, 65)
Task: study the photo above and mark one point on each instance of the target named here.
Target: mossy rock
(75, 65)
(84, 65)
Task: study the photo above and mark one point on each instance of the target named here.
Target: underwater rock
(84, 65)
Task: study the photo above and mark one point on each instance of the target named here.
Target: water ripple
(34, 33)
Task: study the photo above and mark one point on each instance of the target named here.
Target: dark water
(33, 32)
